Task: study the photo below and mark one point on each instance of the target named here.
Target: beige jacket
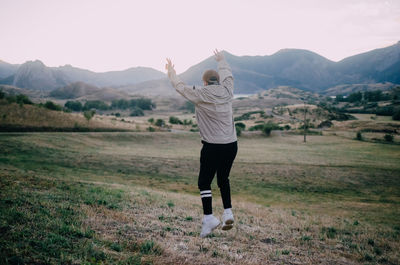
(213, 106)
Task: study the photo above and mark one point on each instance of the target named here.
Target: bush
(257, 127)
(359, 136)
(151, 129)
(149, 247)
(270, 126)
(287, 127)
(388, 137)
(187, 122)
(238, 131)
(151, 120)
(175, 120)
(142, 103)
(326, 123)
(89, 114)
(241, 125)
(52, 106)
(137, 112)
(95, 104)
(2, 94)
(159, 123)
(73, 105)
(23, 99)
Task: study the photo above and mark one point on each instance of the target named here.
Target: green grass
(48, 185)
(42, 221)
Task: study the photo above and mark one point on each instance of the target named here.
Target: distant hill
(129, 76)
(36, 75)
(295, 68)
(7, 69)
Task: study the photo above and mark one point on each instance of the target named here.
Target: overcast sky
(102, 35)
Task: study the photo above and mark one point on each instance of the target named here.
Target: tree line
(136, 106)
(367, 96)
(121, 104)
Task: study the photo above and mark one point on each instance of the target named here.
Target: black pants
(216, 158)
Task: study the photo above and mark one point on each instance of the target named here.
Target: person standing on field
(213, 105)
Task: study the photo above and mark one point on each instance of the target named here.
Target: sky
(111, 35)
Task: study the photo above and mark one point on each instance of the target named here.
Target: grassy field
(132, 198)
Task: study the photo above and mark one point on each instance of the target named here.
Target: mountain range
(288, 67)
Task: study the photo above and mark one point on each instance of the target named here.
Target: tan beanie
(211, 77)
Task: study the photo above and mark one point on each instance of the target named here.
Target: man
(213, 105)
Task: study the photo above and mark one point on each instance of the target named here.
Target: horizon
(104, 36)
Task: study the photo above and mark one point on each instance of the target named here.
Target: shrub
(359, 136)
(151, 120)
(2, 94)
(142, 103)
(95, 104)
(388, 137)
(241, 125)
(89, 114)
(175, 120)
(159, 123)
(137, 112)
(268, 127)
(149, 247)
(151, 129)
(187, 122)
(287, 127)
(257, 127)
(23, 99)
(73, 105)
(238, 131)
(326, 123)
(52, 106)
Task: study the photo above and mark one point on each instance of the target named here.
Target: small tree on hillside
(268, 127)
(52, 106)
(88, 114)
(160, 123)
(175, 120)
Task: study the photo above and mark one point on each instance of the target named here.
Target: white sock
(208, 217)
(228, 211)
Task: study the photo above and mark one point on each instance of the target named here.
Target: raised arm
(224, 71)
(189, 92)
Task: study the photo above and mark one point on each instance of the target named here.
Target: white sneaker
(227, 219)
(210, 222)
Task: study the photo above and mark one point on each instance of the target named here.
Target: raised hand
(169, 67)
(218, 55)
